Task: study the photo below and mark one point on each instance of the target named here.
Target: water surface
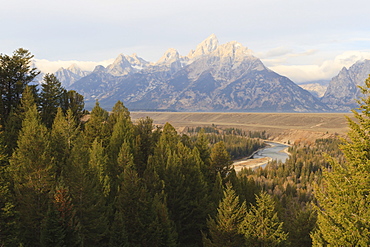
(274, 151)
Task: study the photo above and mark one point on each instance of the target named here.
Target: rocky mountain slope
(316, 88)
(70, 75)
(342, 90)
(212, 77)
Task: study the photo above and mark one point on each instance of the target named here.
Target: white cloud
(47, 66)
(324, 71)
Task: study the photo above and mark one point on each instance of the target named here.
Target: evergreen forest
(69, 177)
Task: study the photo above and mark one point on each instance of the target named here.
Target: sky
(304, 40)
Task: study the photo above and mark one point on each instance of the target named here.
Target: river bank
(275, 151)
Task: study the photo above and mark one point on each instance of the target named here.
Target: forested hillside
(104, 180)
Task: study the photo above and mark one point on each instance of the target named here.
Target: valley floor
(282, 127)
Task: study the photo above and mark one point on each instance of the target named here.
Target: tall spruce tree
(261, 226)
(50, 98)
(13, 123)
(144, 142)
(63, 135)
(97, 126)
(8, 214)
(73, 101)
(220, 160)
(31, 168)
(224, 227)
(15, 74)
(343, 197)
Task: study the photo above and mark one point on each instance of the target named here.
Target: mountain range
(212, 77)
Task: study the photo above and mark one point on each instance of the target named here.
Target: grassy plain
(282, 127)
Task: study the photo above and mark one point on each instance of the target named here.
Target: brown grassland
(282, 127)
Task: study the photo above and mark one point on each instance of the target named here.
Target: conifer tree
(8, 214)
(224, 227)
(66, 213)
(13, 123)
(15, 74)
(97, 126)
(98, 164)
(122, 135)
(91, 210)
(343, 198)
(50, 98)
(73, 101)
(63, 135)
(202, 144)
(220, 160)
(30, 165)
(87, 195)
(144, 142)
(52, 233)
(135, 207)
(261, 226)
(125, 159)
(187, 192)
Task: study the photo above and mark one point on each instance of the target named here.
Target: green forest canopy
(114, 182)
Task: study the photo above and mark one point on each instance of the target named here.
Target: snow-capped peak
(170, 56)
(233, 49)
(205, 47)
(136, 61)
(74, 68)
(120, 66)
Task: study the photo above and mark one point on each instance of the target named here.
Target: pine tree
(261, 226)
(187, 192)
(91, 209)
(66, 213)
(15, 74)
(97, 126)
(224, 227)
(8, 214)
(71, 100)
(134, 206)
(30, 165)
(122, 135)
(220, 160)
(13, 123)
(144, 143)
(98, 164)
(202, 144)
(52, 231)
(63, 135)
(343, 197)
(50, 98)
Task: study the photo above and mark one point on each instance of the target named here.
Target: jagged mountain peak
(121, 66)
(233, 49)
(170, 56)
(74, 68)
(343, 88)
(99, 69)
(212, 78)
(205, 47)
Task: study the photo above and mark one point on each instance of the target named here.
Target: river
(274, 151)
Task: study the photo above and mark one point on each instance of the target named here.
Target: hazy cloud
(286, 34)
(325, 70)
(47, 66)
